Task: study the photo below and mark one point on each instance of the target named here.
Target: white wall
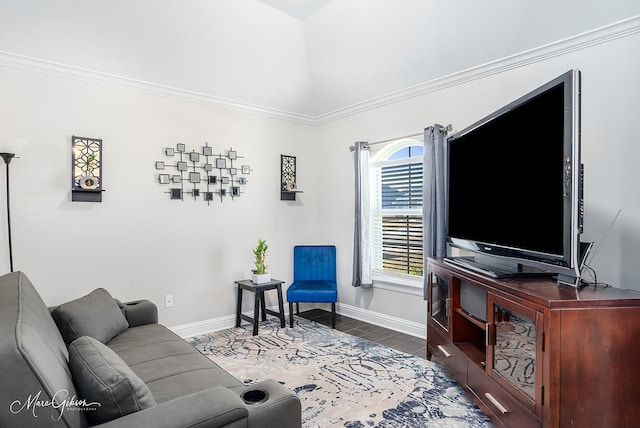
(610, 152)
(138, 243)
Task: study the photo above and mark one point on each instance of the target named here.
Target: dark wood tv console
(543, 355)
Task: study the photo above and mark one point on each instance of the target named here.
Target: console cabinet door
(439, 300)
(514, 351)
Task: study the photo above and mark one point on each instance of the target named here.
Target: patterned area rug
(343, 380)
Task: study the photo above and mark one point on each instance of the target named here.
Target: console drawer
(447, 354)
(498, 401)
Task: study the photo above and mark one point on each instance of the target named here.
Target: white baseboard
(382, 320)
(206, 326)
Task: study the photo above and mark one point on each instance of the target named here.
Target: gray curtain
(433, 196)
(361, 229)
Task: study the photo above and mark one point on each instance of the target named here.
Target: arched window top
(400, 149)
(407, 152)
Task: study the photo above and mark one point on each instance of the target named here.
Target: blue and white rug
(342, 380)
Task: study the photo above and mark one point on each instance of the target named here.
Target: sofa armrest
(281, 410)
(214, 407)
(139, 312)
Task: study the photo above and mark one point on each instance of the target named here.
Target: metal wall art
(202, 174)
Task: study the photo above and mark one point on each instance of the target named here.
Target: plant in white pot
(260, 275)
(88, 181)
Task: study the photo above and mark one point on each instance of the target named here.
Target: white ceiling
(306, 57)
(300, 9)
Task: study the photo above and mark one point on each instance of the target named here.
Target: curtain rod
(352, 148)
(448, 128)
(398, 138)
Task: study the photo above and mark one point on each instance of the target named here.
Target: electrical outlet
(168, 301)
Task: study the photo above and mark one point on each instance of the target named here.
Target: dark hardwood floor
(384, 336)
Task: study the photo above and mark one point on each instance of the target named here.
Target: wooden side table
(258, 290)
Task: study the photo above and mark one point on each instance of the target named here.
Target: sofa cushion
(97, 315)
(167, 364)
(102, 377)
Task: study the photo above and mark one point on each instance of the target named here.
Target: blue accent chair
(314, 278)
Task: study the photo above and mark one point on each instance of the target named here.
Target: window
(396, 198)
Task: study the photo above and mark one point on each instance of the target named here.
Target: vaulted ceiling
(305, 57)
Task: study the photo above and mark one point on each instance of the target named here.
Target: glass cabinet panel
(514, 351)
(440, 303)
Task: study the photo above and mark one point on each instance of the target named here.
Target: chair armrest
(214, 407)
(139, 312)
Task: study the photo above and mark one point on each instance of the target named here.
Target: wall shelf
(286, 195)
(86, 195)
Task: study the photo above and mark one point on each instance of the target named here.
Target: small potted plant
(260, 275)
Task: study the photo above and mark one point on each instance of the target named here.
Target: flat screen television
(514, 184)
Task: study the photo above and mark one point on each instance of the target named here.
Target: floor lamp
(7, 159)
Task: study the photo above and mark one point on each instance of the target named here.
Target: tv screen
(513, 179)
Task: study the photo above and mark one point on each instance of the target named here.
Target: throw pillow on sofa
(101, 377)
(97, 315)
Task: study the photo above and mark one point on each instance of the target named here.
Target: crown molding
(22, 62)
(578, 42)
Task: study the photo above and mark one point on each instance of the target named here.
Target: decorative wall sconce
(216, 173)
(288, 184)
(86, 169)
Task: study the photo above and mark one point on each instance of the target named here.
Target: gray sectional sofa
(109, 364)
